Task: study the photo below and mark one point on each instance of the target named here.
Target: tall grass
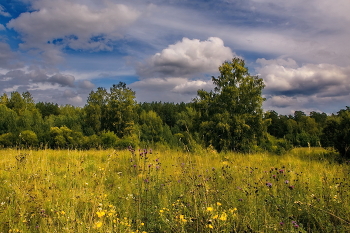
(306, 190)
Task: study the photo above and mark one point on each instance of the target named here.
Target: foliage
(231, 117)
(336, 132)
(108, 139)
(228, 118)
(29, 138)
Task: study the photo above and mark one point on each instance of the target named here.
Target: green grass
(306, 190)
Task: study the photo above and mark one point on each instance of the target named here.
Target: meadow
(305, 190)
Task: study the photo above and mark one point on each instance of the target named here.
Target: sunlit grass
(306, 190)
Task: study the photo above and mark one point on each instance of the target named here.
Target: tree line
(228, 118)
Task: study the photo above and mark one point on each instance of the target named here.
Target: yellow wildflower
(182, 218)
(218, 203)
(223, 216)
(98, 224)
(210, 226)
(210, 209)
(100, 214)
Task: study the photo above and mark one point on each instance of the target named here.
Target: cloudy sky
(166, 50)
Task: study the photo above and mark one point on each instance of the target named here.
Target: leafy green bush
(108, 139)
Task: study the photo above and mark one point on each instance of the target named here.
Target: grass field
(306, 190)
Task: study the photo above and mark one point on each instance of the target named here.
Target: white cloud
(86, 84)
(2, 27)
(62, 79)
(3, 12)
(187, 57)
(168, 89)
(67, 23)
(8, 58)
(191, 87)
(310, 79)
(309, 86)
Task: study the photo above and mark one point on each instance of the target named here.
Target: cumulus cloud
(62, 79)
(191, 87)
(187, 57)
(86, 84)
(38, 76)
(307, 85)
(172, 89)
(285, 78)
(44, 86)
(176, 73)
(65, 23)
(8, 58)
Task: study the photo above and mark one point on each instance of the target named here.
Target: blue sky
(166, 50)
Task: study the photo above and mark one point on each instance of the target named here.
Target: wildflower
(161, 211)
(210, 226)
(98, 224)
(286, 182)
(223, 217)
(100, 214)
(218, 203)
(291, 187)
(269, 185)
(182, 218)
(210, 209)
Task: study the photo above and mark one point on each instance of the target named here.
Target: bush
(7, 140)
(108, 139)
(29, 138)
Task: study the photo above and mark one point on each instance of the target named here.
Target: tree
(28, 138)
(336, 132)
(95, 110)
(231, 116)
(108, 139)
(8, 120)
(16, 103)
(151, 127)
(46, 109)
(120, 110)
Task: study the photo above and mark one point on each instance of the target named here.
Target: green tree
(63, 137)
(96, 111)
(151, 127)
(108, 139)
(4, 99)
(46, 109)
(231, 116)
(121, 110)
(336, 132)
(28, 138)
(16, 103)
(8, 120)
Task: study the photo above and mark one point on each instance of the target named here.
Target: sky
(165, 51)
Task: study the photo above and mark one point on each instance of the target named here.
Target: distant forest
(229, 118)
